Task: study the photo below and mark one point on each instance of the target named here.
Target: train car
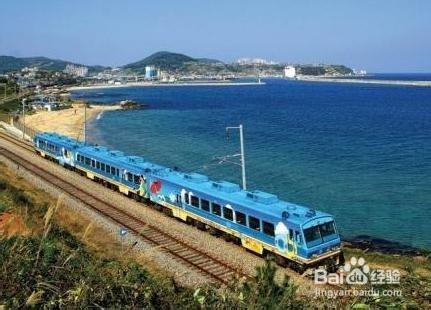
(292, 234)
(57, 148)
(127, 174)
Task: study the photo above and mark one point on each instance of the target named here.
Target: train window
(87, 161)
(129, 177)
(291, 234)
(298, 237)
(108, 168)
(93, 163)
(194, 201)
(113, 170)
(205, 205)
(253, 223)
(98, 164)
(327, 229)
(240, 218)
(136, 179)
(268, 228)
(186, 198)
(78, 158)
(118, 172)
(216, 209)
(103, 166)
(228, 214)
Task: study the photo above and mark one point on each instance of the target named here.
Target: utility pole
(85, 123)
(242, 154)
(23, 118)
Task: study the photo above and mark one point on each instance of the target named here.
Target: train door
(285, 240)
(184, 198)
(291, 243)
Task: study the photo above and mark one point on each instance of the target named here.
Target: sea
(360, 152)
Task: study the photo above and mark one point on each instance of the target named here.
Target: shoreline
(68, 121)
(365, 81)
(149, 84)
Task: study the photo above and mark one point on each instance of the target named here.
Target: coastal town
(215, 155)
(39, 85)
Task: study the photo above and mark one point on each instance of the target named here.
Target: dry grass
(94, 236)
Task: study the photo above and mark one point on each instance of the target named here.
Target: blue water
(360, 152)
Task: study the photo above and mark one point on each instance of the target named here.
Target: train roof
(135, 164)
(61, 140)
(256, 200)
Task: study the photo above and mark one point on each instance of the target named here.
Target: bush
(3, 185)
(20, 198)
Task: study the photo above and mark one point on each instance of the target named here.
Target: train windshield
(320, 233)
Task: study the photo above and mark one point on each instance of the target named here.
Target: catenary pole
(242, 155)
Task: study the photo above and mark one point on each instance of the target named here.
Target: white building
(255, 61)
(289, 72)
(76, 70)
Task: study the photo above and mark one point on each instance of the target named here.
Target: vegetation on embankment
(45, 265)
(52, 257)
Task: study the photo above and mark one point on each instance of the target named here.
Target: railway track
(15, 141)
(203, 263)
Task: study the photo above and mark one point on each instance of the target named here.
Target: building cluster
(359, 72)
(74, 70)
(255, 61)
(44, 102)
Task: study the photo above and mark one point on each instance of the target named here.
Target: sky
(376, 35)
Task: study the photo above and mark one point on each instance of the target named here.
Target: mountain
(162, 60)
(10, 63)
(210, 61)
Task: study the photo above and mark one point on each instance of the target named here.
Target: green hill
(162, 60)
(10, 63)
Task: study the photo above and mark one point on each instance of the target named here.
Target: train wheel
(167, 211)
(299, 268)
(281, 261)
(214, 231)
(200, 225)
(155, 205)
(227, 237)
(269, 256)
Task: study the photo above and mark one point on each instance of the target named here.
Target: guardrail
(29, 131)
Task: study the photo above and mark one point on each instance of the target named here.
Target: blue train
(293, 235)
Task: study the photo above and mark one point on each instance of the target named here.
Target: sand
(67, 122)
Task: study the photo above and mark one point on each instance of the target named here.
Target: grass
(68, 261)
(58, 258)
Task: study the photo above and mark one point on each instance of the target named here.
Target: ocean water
(360, 152)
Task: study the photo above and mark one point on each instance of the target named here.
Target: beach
(68, 121)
